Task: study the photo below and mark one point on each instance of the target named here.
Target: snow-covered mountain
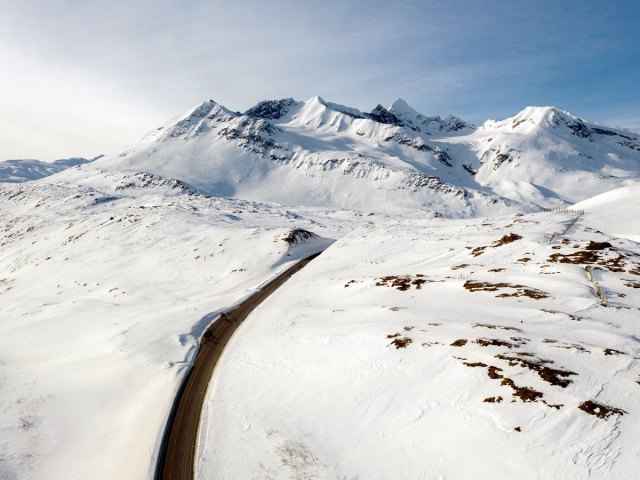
(318, 153)
(18, 171)
(511, 337)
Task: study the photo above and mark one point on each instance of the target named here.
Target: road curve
(176, 459)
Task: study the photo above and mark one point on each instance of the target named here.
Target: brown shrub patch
(612, 351)
(509, 238)
(475, 364)
(599, 410)
(494, 342)
(493, 400)
(458, 267)
(525, 394)
(589, 257)
(497, 270)
(632, 284)
(402, 282)
(598, 246)
(553, 376)
(493, 327)
(401, 342)
(461, 342)
(580, 257)
(521, 290)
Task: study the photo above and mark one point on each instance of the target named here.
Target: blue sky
(83, 78)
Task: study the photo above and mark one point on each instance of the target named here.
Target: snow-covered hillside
(439, 349)
(500, 342)
(102, 300)
(616, 211)
(18, 171)
(317, 153)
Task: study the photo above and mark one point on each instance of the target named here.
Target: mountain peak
(271, 109)
(400, 106)
(382, 115)
(549, 117)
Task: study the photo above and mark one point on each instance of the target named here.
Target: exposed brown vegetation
(509, 238)
(579, 257)
(298, 235)
(589, 257)
(524, 260)
(553, 376)
(496, 270)
(461, 342)
(402, 282)
(599, 410)
(475, 364)
(576, 318)
(612, 351)
(632, 284)
(493, 400)
(458, 267)
(598, 246)
(493, 327)
(494, 342)
(401, 342)
(521, 290)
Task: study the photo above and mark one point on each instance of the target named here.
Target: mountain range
(317, 153)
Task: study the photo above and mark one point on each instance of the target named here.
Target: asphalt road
(177, 456)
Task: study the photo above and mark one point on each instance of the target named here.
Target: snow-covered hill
(317, 153)
(616, 211)
(18, 171)
(102, 302)
(439, 349)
